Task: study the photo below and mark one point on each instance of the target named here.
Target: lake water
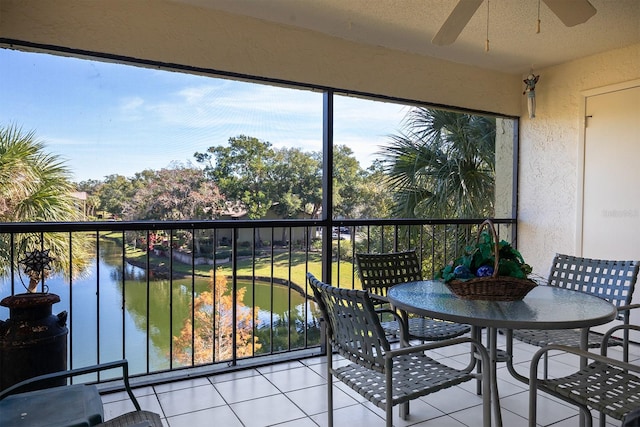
(102, 328)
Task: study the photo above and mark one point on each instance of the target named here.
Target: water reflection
(105, 326)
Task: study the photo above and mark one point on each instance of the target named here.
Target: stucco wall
(177, 33)
(549, 152)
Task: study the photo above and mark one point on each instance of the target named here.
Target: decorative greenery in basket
(478, 261)
(490, 269)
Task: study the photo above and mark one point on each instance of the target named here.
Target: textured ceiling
(409, 25)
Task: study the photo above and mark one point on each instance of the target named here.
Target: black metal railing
(212, 295)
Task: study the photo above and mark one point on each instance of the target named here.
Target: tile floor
(294, 394)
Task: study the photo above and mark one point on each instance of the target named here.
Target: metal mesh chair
(134, 419)
(607, 385)
(76, 404)
(378, 272)
(613, 281)
(385, 376)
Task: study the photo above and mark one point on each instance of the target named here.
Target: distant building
(281, 235)
(80, 203)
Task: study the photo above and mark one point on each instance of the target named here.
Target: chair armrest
(386, 310)
(480, 350)
(628, 307)
(404, 334)
(609, 333)
(578, 352)
(438, 344)
(378, 299)
(124, 364)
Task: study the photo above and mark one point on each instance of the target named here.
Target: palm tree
(35, 187)
(442, 165)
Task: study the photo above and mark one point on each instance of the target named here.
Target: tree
(213, 339)
(297, 178)
(114, 193)
(442, 165)
(297, 182)
(287, 180)
(347, 182)
(35, 187)
(242, 171)
(376, 198)
(178, 193)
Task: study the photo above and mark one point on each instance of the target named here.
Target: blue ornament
(462, 272)
(484, 271)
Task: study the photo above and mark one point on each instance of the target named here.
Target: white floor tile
(313, 400)
(351, 416)
(293, 394)
(295, 379)
(246, 389)
(190, 399)
(115, 408)
(266, 411)
(220, 416)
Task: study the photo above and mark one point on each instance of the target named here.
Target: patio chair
(613, 281)
(378, 272)
(384, 376)
(76, 404)
(607, 385)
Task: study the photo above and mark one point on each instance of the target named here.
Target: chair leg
(404, 339)
(625, 346)
(404, 410)
(389, 393)
(533, 400)
(329, 386)
(588, 418)
(476, 333)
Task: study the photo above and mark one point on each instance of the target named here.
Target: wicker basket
(494, 288)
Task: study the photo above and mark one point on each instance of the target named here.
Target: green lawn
(299, 266)
(263, 266)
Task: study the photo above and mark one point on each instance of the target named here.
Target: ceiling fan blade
(571, 12)
(456, 22)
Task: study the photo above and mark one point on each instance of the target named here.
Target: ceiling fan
(571, 13)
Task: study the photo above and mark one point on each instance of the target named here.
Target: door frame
(582, 149)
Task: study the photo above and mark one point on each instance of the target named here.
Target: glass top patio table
(544, 307)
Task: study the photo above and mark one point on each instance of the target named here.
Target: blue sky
(106, 118)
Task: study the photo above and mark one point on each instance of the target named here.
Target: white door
(611, 188)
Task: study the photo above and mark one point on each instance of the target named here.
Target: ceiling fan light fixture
(455, 23)
(570, 12)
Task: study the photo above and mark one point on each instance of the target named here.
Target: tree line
(440, 165)
(247, 172)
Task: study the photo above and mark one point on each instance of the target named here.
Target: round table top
(544, 307)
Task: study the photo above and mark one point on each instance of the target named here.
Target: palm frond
(442, 164)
